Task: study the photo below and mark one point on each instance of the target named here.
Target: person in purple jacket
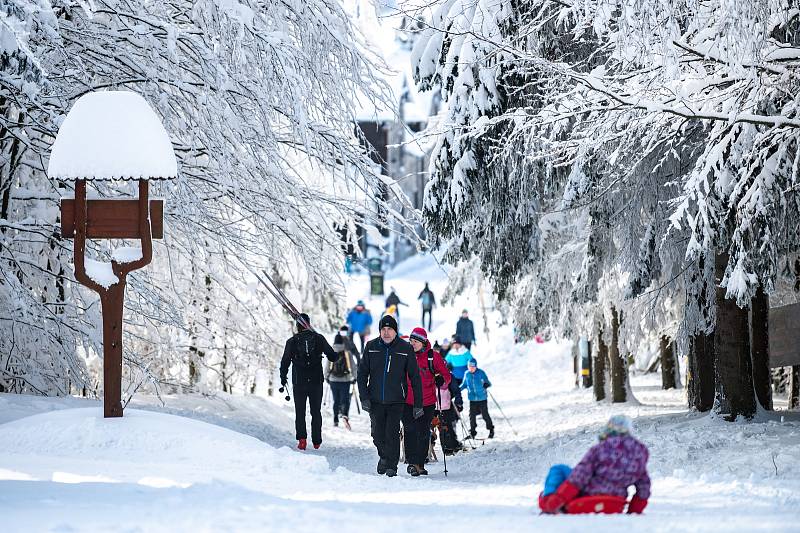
(608, 469)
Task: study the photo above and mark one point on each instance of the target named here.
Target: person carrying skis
(600, 481)
(341, 374)
(465, 330)
(388, 365)
(359, 319)
(476, 382)
(393, 300)
(417, 430)
(303, 351)
(428, 301)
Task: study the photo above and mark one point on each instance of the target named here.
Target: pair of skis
(282, 299)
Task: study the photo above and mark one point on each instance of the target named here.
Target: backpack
(306, 348)
(340, 368)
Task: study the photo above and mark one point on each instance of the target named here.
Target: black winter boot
(491, 433)
(381, 467)
(391, 472)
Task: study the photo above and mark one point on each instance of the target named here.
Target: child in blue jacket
(476, 382)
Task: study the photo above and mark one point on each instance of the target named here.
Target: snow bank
(143, 447)
(112, 135)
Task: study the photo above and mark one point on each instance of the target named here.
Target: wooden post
(112, 298)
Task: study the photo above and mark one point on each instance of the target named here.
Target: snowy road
(67, 469)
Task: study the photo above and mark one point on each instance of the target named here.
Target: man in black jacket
(387, 365)
(304, 352)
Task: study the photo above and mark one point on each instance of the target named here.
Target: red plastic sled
(599, 503)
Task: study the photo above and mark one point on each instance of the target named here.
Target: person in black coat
(304, 352)
(465, 330)
(388, 365)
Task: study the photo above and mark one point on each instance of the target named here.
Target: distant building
(391, 132)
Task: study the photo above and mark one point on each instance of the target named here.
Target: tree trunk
(735, 395)
(667, 363)
(700, 379)
(619, 366)
(794, 387)
(599, 372)
(759, 336)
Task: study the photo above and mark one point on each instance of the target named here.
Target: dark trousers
(468, 345)
(385, 419)
(482, 408)
(428, 312)
(417, 434)
(311, 391)
(341, 398)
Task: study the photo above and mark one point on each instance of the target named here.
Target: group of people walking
(398, 381)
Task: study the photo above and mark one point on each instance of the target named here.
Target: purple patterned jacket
(611, 466)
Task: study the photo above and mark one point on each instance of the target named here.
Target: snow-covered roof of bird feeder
(112, 135)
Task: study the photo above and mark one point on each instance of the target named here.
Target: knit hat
(419, 334)
(387, 321)
(338, 343)
(617, 425)
(472, 362)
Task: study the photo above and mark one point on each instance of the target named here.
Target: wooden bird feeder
(113, 135)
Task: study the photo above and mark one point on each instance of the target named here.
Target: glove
(366, 405)
(418, 412)
(352, 382)
(283, 382)
(486, 384)
(439, 380)
(552, 503)
(637, 505)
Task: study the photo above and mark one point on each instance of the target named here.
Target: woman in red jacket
(434, 373)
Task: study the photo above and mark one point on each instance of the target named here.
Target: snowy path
(68, 470)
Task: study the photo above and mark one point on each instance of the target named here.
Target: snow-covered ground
(226, 463)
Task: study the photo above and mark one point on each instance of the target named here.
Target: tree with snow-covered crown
(261, 122)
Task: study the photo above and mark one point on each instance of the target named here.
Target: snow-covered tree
(258, 100)
(668, 132)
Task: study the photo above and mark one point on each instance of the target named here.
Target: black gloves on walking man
(366, 405)
(439, 380)
(486, 385)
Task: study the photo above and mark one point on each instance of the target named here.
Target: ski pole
(502, 413)
(439, 429)
(467, 434)
(354, 394)
(285, 388)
